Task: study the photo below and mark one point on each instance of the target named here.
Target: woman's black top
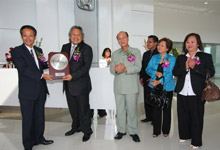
(160, 69)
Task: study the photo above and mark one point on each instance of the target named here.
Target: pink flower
(166, 63)
(41, 56)
(196, 59)
(76, 54)
(130, 57)
(43, 59)
(76, 58)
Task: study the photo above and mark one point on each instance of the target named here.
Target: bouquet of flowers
(175, 52)
(145, 44)
(38, 44)
(9, 59)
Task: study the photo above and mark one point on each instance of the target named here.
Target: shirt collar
(128, 50)
(29, 47)
(198, 50)
(72, 45)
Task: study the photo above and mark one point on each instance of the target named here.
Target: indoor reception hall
(89, 83)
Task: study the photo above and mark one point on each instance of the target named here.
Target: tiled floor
(104, 130)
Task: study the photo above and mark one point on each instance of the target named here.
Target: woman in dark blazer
(160, 70)
(191, 68)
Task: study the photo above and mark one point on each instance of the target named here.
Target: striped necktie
(32, 54)
(72, 51)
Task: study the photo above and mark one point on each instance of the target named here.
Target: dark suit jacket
(145, 60)
(30, 82)
(79, 71)
(198, 74)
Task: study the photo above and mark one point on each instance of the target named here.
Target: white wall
(11, 19)
(135, 17)
(88, 20)
(51, 18)
(176, 24)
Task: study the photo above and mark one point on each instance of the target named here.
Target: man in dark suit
(32, 88)
(144, 78)
(77, 84)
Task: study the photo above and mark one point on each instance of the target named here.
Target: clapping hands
(119, 68)
(190, 63)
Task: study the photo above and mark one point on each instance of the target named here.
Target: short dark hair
(103, 53)
(77, 27)
(199, 41)
(169, 43)
(123, 32)
(154, 37)
(28, 27)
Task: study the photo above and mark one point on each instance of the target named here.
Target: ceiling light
(205, 3)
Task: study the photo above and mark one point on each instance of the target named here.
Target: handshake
(120, 68)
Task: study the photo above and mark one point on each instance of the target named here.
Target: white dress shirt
(73, 47)
(35, 55)
(187, 88)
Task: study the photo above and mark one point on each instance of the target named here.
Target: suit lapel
(39, 62)
(68, 50)
(29, 56)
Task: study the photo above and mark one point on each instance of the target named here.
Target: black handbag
(158, 98)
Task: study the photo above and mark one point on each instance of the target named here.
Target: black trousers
(80, 111)
(190, 111)
(148, 108)
(33, 120)
(157, 118)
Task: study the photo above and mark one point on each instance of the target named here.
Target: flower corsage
(166, 63)
(130, 57)
(197, 61)
(41, 57)
(76, 54)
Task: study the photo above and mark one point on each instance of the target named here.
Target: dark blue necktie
(151, 52)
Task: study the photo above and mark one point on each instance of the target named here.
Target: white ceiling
(197, 6)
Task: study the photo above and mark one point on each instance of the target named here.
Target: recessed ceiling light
(205, 3)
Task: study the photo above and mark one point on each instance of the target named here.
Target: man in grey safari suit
(125, 65)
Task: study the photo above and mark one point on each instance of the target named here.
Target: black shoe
(86, 137)
(78, 130)
(27, 148)
(102, 114)
(70, 132)
(135, 137)
(146, 120)
(119, 135)
(46, 142)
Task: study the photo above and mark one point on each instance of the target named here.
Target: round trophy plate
(59, 61)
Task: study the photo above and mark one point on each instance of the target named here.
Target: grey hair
(77, 27)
